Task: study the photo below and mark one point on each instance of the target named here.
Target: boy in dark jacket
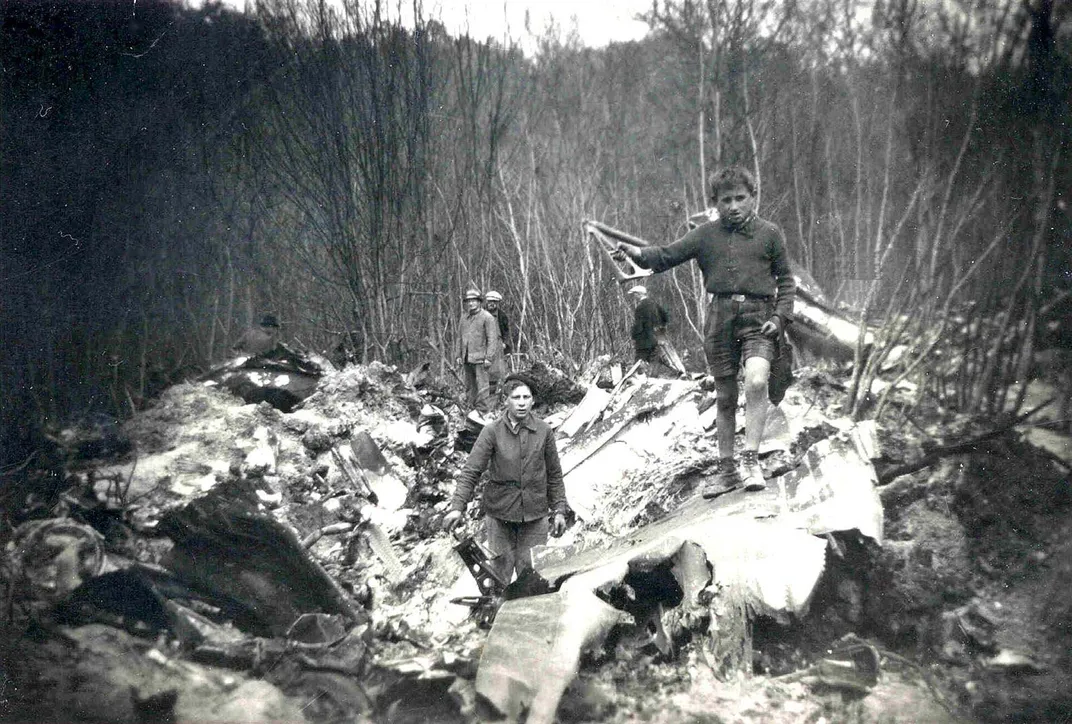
(524, 484)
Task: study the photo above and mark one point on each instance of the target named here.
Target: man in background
(649, 320)
(260, 339)
(350, 349)
(497, 371)
(478, 341)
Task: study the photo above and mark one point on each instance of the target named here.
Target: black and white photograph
(535, 361)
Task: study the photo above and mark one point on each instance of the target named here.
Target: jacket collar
(527, 421)
(746, 228)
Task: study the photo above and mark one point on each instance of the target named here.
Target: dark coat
(504, 330)
(524, 471)
(648, 318)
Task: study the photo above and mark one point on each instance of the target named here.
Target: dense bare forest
(169, 174)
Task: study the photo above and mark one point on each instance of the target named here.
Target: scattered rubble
(280, 377)
(254, 558)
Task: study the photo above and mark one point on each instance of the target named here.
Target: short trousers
(732, 334)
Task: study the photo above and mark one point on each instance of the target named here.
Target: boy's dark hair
(731, 176)
(512, 382)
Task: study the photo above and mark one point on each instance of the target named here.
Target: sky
(598, 22)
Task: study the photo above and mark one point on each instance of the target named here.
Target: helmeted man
(497, 371)
(478, 341)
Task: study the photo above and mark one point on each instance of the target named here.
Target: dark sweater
(747, 260)
(504, 330)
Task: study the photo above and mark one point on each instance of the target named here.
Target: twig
(152, 45)
(939, 452)
(124, 501)
(1057, 299)
(16, 468)
(443, 356)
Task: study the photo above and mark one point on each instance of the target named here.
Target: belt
(742, 297)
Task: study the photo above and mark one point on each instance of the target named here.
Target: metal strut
(625, 269)
(476, 559)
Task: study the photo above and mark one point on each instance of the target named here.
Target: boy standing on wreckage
(746, 272)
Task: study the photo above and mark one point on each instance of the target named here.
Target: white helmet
(638, 289)
(493, 297)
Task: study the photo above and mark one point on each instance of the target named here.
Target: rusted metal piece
(852, 664)
(387, 490)
(354, 475)
(669, 355)
(534, 650)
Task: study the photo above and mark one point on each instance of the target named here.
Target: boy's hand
(772, 327)
(626, 250)
(558, 525)
(451, 520)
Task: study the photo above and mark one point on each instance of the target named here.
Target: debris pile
(239, 562)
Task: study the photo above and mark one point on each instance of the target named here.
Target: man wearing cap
(260, 339)
(746, 271)
(524, 497)
(497, 371)
(649, 320)
(478, 341)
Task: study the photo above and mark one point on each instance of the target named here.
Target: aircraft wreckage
(302, 537)
(707, 566)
